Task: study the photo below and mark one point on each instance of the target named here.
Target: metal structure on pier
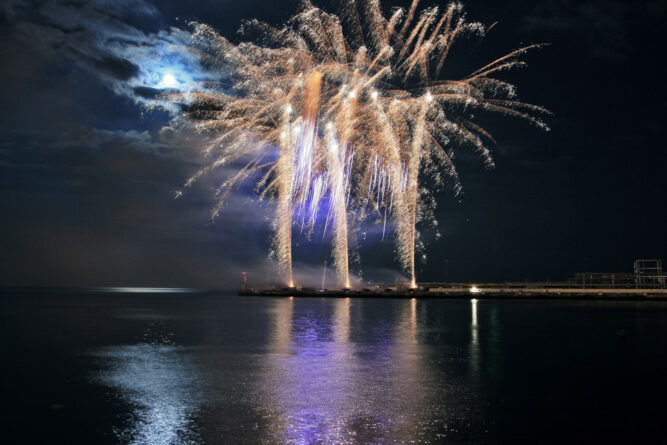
(647, 273)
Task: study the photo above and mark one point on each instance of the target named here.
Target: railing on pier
(581, 281)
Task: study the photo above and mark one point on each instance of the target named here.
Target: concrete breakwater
(536, 291)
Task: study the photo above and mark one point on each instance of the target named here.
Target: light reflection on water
(327, 371)
(322, 388)
(474, 354)
(160, 384)
(308, 375)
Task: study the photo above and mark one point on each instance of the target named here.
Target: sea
(134, 367)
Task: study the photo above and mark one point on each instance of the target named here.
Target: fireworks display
(343, 115)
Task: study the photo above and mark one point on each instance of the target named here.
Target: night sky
(88, 172)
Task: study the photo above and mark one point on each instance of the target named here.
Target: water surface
(180, 369)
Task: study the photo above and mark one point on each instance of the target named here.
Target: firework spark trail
(337, 157)
(415, 157)
(357, 110)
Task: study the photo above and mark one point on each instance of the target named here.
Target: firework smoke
(357, 110)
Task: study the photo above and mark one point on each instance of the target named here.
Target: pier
(535, 291)
(647, 282)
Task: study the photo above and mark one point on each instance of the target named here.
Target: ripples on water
(184, 369)
(161, 386)
(325, 372)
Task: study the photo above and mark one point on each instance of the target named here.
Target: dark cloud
(116, 67)
(8, 10)
(120, 42)
(147, 92)
(96, 207)
(113, 140)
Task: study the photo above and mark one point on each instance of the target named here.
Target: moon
(169, 81)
